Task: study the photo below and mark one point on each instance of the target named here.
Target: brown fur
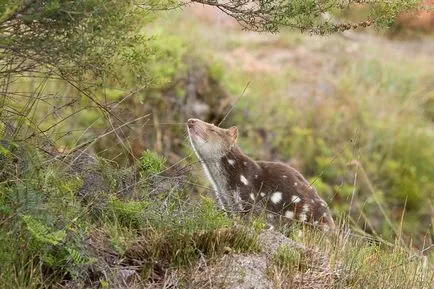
(245, 186)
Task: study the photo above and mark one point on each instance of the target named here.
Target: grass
(345, 259)
(62, 239)
(51, 238)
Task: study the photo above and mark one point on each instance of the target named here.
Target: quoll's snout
(191, 122)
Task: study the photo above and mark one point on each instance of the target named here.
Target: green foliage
(42, 233)
(128, 213)
(180, 234)
(48, 236)
(88, 40)
(43, 215)
(42, 211)
(385, 13)
(310, 16)
(151, 163)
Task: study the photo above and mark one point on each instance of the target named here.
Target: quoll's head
(210, 141)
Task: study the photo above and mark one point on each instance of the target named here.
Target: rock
(271, 241)
(316, 271)
(235, 272)
(123, 278)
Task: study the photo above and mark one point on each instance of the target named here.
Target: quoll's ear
(233, 134)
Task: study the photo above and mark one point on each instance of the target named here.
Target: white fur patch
(276, 197)
(252, 196)
(231, 162)
(284, 176)
(305, 208)
(289, 214)
(295, 199)
(302, 217)
(323, 204)
(256, 176)
(312, 201)
(262, 194)
(218, 195)
(244, 180)
(245, 163)
(324, 215)
(295, 184)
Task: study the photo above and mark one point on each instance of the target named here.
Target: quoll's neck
(229, 173)
(239, 168)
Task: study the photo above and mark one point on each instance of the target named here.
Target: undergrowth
(50, 237)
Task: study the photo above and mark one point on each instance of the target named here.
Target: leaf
(42, 233)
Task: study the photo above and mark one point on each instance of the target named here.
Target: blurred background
(353, 111)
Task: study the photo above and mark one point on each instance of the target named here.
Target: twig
(233, 105)
(105, 134)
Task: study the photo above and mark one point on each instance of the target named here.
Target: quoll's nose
(191, 122)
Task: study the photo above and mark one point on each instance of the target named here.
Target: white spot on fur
(312, 201)
(256, 176)
(231, 162)
(295, 184)
(324, 215)
(289, 214)
(305, 208)
(323, 204)
(245, 163)
(295, 199)
(315, 222)
(252, 196)
(244, 180)
(276, 197)
(262, 194)
(284, 176)
(302, 217)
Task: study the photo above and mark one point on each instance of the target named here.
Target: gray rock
(235, 272)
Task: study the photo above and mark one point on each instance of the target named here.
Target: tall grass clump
(344, 259)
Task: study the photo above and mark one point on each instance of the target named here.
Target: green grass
(345, 259)
(50, 237)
